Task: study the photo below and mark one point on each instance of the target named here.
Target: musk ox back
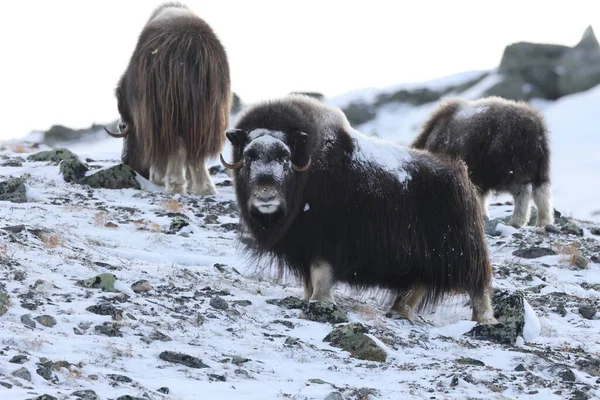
(174, 100)
(331, 204)
(505, 146)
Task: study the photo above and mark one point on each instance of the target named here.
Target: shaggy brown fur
(365, 212)
(175, 98)
(505, 146)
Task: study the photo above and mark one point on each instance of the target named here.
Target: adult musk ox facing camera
(334, 205)
(174, 100)
(505, 146)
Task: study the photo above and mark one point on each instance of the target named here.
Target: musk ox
(505, 146)
(333, 205)
(174, 100)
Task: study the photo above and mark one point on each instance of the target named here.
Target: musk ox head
(269, 169)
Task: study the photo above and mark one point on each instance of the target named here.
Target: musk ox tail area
(183, 87)
(446, 110)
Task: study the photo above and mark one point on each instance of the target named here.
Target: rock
(55, 156)
(415, 97)
(334, 396)
(12, 163)
(324, 311)
(6, 385)
(19, 359)
(4, 303)
(177, 224)
(86, 395)
(46, 320)
(61, 134)
(161, 337)
(13, 190)
(587, 311)
(595, 231)
(120, 176)
(572, 229)
(520, 368)
(242, 303)
(141, 286)
(44, 372)
(568, 375)
(128, 397)
(211, 219)
(184, 359)
(579, 67)
(490, 227)
(164, 390)
(73, 170)
(580, 261)
(22, 373)
(287, 324)
(217, 378)
(111, 225)
(45, 397)
(359, 113)
(514, 87)
(534, 252)
(551, 229)
(105, 281)
(470, 361)
(218, 303)
(291, 303)
(119, 378)
(106, 309)
(108, 329)
(509, 311)
(352, 338)
(27, 321)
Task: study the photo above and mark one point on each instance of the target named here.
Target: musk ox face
(266, 168)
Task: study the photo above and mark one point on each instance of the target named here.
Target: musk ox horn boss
(505, 146)
(174, 101)
(333, 205)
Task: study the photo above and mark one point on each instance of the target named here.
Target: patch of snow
(306, 207)
(505, 230)
(469, 110)
(532, 325)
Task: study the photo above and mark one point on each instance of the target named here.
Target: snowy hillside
(573, 122)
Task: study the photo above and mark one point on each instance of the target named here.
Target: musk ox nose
(266, 200)
(265, 195)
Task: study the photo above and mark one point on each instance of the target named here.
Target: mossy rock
(55, 156)
(105, 281)
(4, 303)
(73, 170)
(13, 190)
(120, 176)
(324, 311)
(352, 339)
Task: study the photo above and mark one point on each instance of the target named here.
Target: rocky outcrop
(579, 67)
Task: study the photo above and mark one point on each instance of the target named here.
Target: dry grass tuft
(173, 205)
(100, 219)
(51, 241)
(568, 253)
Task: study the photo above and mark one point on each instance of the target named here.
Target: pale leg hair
(483, 199)
(407, 303)
(321, 282)
(483, 311)
(542, 197)
(175, 181)
(521, 213)
(201, 182)
(157, 175)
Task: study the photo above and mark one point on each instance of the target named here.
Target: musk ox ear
(300, 152)
(237, 137)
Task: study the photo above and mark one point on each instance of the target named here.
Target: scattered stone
(13, 190)
(509, 311)
(108, 329)
(4, 303)
(164, 390)
(161, 337)
(119, 378)
(55, 156)
(72, 170)
(106, 309)
(121, 176)
(287, 324)
(534, 252)
(219, 303)
(490, 227)
(141, 286)
(352, 338)
(181, 358)
(128, 397)
(551, 229)
(12, 163)
(520, 368)
(567, 375)
(105, 281)
(587, 311)
(22, 373)
(211, 219)
(291, 303)
(243, 303)
(44, 372)
(86, 395)
(324, 311)
(111, 225)
(595, 231)
(19, 359)
(580, 261)
(470, 361)
(217, 378)
(27, 321)
(334, 396)
(46, 320)
(572, 229)
(177, 224)
(6, 385)
(45, 397)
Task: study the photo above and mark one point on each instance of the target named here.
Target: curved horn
(237, 165)
(118, 135)
(304, 168)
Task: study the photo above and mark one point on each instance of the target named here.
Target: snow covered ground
(208, 302)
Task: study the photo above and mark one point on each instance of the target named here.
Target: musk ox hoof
(487, 320)
(203, 191)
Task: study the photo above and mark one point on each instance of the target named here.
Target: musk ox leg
(321, 281)
(406, 304)
(521, 213)
(542, 197)
(483, 199)
(201, 182)
(483, 312)
(157, 175)
(308, 290)
(175, 181)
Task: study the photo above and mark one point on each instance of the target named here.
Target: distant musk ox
(334, 205)
(505, 146)
(174, 100)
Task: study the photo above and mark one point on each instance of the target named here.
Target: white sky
(61, 59)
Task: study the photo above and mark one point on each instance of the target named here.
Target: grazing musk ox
(333, 205)
(174, 100)
(505, 146)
